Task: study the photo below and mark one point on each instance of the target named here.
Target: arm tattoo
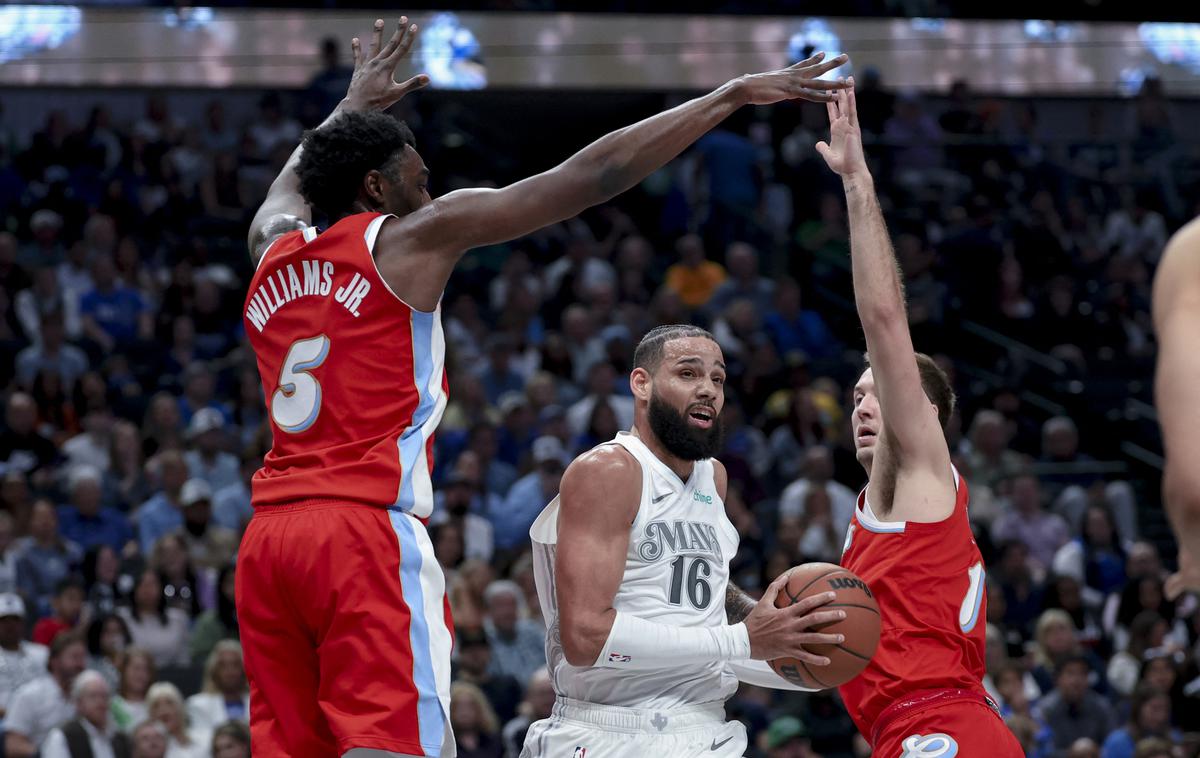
(737, 604)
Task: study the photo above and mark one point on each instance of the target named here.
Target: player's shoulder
(603, 477)
(607, 461)
(720, 477)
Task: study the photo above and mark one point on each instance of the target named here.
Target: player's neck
(682, 468)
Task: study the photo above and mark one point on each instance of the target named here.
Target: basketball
(860, 627)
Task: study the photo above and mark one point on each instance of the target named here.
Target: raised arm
(911, 433)
(372, 87)
(1177, 322)
(419, 251)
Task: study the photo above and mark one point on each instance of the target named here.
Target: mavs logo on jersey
(691, 537)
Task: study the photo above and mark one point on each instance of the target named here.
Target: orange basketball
(860, 627)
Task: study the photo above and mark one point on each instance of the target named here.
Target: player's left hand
(373, 85)
(844, 150)
(1186, 579)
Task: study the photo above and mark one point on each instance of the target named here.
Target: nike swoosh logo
(717, 745)
(660, 497)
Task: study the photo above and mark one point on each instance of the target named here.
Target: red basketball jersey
(354, 378)
(929, 582)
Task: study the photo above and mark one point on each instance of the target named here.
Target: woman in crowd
(226, 694)
(126, 481)
(476, 728)
(161, 630)
(101, 573)
(166, 707)
(129, 707)
(1057, 640)
(107, 639)
(185, 587)
(217, 623)
(231, 740)
(1149, 716)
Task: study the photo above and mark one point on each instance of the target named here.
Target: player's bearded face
(682, 439)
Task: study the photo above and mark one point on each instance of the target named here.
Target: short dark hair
(1074, 659)
(936, 385)
(64, 640)
(95, 633)
(649, 352)
(336, 157)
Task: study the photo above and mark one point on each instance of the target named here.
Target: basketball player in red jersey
(1177, 321)
(341, 602)
(922, 694)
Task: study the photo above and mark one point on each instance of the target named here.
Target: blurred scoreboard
(62, 45)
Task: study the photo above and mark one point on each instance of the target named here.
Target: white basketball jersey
(676, 572)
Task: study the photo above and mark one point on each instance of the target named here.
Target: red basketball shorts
(346, 631)
(943, 724)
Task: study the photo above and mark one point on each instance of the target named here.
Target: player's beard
(681, 439)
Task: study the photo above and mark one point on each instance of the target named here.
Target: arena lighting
(241, 47)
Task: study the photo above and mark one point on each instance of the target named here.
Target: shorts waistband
(923, 700)
(638, 720)
(319, 505)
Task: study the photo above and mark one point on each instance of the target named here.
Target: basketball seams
(800, 593)
(811, 675)
(852, 605)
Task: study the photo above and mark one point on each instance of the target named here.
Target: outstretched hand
(844, 150)
(373, 85)
(800, 81)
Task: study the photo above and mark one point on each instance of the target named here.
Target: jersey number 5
(297, 402)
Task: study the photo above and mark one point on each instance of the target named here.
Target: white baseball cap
(194, 491)
(11, 604)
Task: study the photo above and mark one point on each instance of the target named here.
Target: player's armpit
(263, 233)
(598, 500)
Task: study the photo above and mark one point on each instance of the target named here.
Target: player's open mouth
(865, 436)
(702, 417)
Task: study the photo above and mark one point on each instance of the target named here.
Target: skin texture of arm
(1177, 324)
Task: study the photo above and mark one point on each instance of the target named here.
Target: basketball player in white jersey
(646, 637)
(1177, 322)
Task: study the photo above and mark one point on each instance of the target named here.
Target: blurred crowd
(134, 416)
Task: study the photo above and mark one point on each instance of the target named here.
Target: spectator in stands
(497, 374)
(46, 558)
(455, 496)
(137, 673)
(1071, 710)
(476, 728)
(209, 545)
(794, 329)
(207, 460)
(1149, 716)
(226, 694)
(219, 623)
(744, 282)
(161, 631)
(1060, 446)
(801, 430)
(1139, 596)
(91, 732)
(44, 703)
(46, 248)
(114, 316)
(125, 483)
(186, 586)
(149, 740)
(163, 512)
(537, 705)
(694, 278)
(51, 353)
(92, 445)
(498, 476)
(101, 574)
(991, 460)
(166, 707)
(107, 640)
(231, 740)
(44, 299)
(162, 428)
(1043, 533)
(22, 448)
(9, 550)
(530, 494)
(231, 507)
(817, 473)
(787, 737)
(20, 662)
(1057, 641)
(1097, 555)
(474, 666)
(199, 392)
(66, 607)
(518, 644)
(84, 521)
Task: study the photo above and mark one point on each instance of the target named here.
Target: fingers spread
(853, 105)
(827, 66)
(812, 59)
(397, 38)
(812, 602)
(376, 38)
(405, 45)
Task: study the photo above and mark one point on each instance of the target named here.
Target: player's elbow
(881, 312)
(1181, 493)
(583, 642)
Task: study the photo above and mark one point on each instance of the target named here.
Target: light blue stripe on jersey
(430, 717)
(412, 442)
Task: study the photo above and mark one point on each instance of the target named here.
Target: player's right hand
(783, 632)
(373, 85)
(800, 81)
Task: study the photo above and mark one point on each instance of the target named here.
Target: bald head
(21, 413)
